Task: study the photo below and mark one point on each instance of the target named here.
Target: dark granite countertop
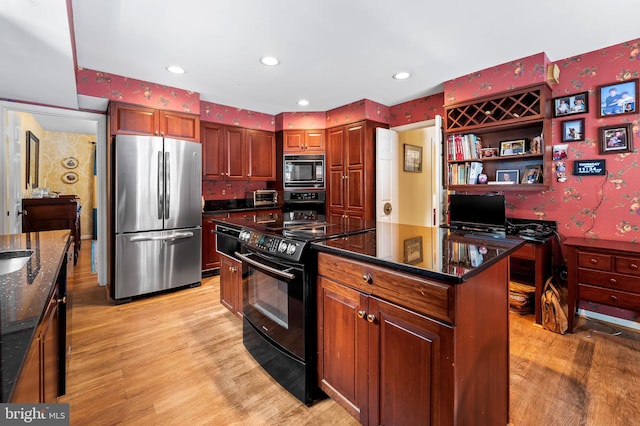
(24, 296)
(216, 207)
(435, 253)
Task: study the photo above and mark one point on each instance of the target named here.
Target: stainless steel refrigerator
(157, 190)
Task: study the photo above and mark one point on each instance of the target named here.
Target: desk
(48, 214)
(539, 254)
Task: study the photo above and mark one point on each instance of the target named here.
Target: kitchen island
(413, 325)
(33, 317)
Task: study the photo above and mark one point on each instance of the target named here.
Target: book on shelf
(463, 147)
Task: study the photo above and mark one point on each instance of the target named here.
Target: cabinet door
(228, 283)
(133, 120)
(408, 385)
(180, 126)
(27, 387)
(210, 257)
(293, 141)
(50, 350)
(343, 346)
(335, 166)
(213, 151)
(314, 140)
(235, 157)
(261, 150)
(355, 167)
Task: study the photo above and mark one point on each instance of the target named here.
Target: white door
(386, 175)
(14, 174)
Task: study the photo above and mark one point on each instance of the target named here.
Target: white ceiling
(332, 52)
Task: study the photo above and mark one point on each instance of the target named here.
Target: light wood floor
(178, 359)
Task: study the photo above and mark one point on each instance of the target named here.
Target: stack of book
(463, 147)
(464, 173)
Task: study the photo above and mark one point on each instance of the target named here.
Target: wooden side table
(602, 271)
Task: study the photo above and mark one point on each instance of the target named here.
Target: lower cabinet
(231, 284)
(210, 257)
(383, 363)
(39, 378)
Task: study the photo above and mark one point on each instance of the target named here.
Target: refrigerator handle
(160, 185)
(167, 195)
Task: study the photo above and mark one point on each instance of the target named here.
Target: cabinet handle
(156, 133)
(613, 298)
(594, 261)
(371, 318)
(367, 278)
(63, 299)
(633, 266)
(361, 314)
(613, 281)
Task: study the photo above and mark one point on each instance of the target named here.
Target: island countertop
(24, 297)
(431, 252)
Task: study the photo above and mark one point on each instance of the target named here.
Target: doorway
(12, 167)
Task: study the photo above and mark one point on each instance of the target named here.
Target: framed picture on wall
(616, 139)
(572, 104)
(618, 98)
(412, 158)
(573, 130)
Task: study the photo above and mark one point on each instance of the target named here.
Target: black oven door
(272, 298)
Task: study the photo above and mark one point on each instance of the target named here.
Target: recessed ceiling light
(269, 60)
(175, 69)
(401, 75)
(303, 102)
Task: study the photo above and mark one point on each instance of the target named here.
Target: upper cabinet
(235, 153)
(303, 141)
(128, 119)
(506, 137)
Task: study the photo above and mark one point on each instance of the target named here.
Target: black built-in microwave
(303, 171)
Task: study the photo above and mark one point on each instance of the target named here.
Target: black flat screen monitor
(477, 212)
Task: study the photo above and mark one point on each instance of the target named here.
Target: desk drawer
(609, 280)
(527, 251)
(619, 299)
(628, 265)
(598, 261)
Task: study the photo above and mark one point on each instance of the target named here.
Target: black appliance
(304, 205)
(278, 295)
(478, 212)
(303, 171)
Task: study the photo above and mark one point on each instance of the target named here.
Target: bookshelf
(475, 132)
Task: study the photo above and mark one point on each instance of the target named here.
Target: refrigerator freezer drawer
(147, 262)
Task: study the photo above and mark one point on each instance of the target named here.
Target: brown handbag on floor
(554, 308)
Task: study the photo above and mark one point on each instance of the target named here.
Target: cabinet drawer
(609, 280)
(619, 299)
(427, 297)
(527, 251)
(594, 261)
(627, 265)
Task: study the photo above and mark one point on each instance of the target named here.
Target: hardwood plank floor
(178, 359)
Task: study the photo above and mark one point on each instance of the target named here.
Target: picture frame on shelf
(618, 98)
(412, 158)
(616, 139)
(573, 130)
(413, 250)
(488, 152)
(514, 147)
(570, 105)
(507, 176)
(532, 174)
(536, 145)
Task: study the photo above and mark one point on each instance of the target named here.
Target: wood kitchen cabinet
(350, 170)
(235, 153)
(210, 257)
(231, 284)
(394, 348)
(603, 272)
(129, 119)
(303, 141)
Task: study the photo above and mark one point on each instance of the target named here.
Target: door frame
(100, 126)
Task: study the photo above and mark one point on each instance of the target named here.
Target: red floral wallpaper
(124, 89)
(357, 111)
(236, 116)
(417, 110)
(301, 120)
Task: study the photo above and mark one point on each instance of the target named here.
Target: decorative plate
(70, 163)
(69, 177)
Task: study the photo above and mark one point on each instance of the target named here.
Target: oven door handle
(250, 261)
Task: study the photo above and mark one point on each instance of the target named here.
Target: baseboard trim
(609, 319)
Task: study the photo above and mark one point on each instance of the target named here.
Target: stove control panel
(277, 246)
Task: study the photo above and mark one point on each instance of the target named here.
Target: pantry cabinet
(350, 170)
(303, 141)
(129, 119)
